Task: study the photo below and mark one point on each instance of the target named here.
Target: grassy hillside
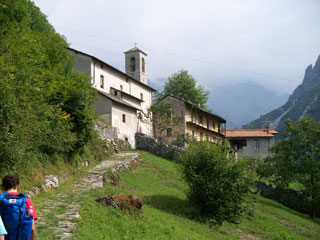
(167, 214)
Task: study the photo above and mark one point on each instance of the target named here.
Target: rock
(43, 187)
(106, 132)
(115, 147)
(85, 164)
(29, 193)
(51, 181)
(36, 190)
(122, 202)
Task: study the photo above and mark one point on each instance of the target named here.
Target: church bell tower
(136, 64)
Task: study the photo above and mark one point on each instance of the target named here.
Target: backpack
(16, 219)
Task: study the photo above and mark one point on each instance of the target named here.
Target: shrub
(45, 106)
(217, 184)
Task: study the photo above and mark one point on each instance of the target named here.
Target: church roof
(115, 99)
(135, 49)
(117, 70)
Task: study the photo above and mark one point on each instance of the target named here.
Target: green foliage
(166, 213)
(44, 105)
(183, 85)
(296, 159)
(162, 118)
(217, 184)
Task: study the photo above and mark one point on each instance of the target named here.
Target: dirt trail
(70, 201)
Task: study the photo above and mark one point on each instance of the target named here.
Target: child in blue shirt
(2, 230)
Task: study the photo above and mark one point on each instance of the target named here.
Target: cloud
(214, 40)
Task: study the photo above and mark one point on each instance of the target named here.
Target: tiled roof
(251, 132)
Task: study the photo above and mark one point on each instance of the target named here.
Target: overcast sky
(220, 42)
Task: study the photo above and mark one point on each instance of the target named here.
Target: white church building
(121, 95)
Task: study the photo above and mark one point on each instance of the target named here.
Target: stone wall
(162, 149)
(106, 132)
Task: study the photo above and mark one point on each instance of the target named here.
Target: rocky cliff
(304, 101)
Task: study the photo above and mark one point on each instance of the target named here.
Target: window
(169, 132)
(200, 119)
(214, 125)
(101, 66)
(201, 136)
(141, 96)
(143, 65)
(219, 128)
(127, 80)
(101, 81)
(121, 88)
(192, 134)
(123, 118)
(132, 64)
(207, 138)
(256, 144)
(191, 116)
(208, 124)
(116, 93)
(126, 139)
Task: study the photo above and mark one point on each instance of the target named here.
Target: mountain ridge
(304, 101)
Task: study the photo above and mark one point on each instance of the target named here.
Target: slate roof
(247, 133)
(196, 106)
(135, 49)
(115, 99)
(115, 69)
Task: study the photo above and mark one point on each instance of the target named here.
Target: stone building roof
(115, 99)
(247, 133)
(135, 49)
(197, 107)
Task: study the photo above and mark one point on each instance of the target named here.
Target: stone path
(91, 179)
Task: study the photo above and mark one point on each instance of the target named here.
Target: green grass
(167, 214)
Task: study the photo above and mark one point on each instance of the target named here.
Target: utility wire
(184, 57)
(176, 68)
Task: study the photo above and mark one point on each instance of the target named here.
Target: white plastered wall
(128, 128)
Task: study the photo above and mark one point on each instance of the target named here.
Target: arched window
(143, 65)
(132, 64)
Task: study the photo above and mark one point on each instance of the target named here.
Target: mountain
(305, 101)
(243, 102)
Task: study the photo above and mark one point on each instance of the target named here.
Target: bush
(45, 107)
(217, 184)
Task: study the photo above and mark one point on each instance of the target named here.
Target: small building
(121, 95)
(197, 123)
(254, 143)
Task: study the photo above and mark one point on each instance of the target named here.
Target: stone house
(121, 95)
(254, 143)
(197, 124)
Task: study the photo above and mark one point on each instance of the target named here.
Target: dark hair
(10, 182)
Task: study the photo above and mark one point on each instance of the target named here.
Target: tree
(296, 158)
(45, 106)
(217, 183)
(161, 116)
(183, 85)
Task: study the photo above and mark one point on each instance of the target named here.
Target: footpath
(58, 214)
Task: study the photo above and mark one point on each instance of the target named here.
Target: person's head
(10, 182)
